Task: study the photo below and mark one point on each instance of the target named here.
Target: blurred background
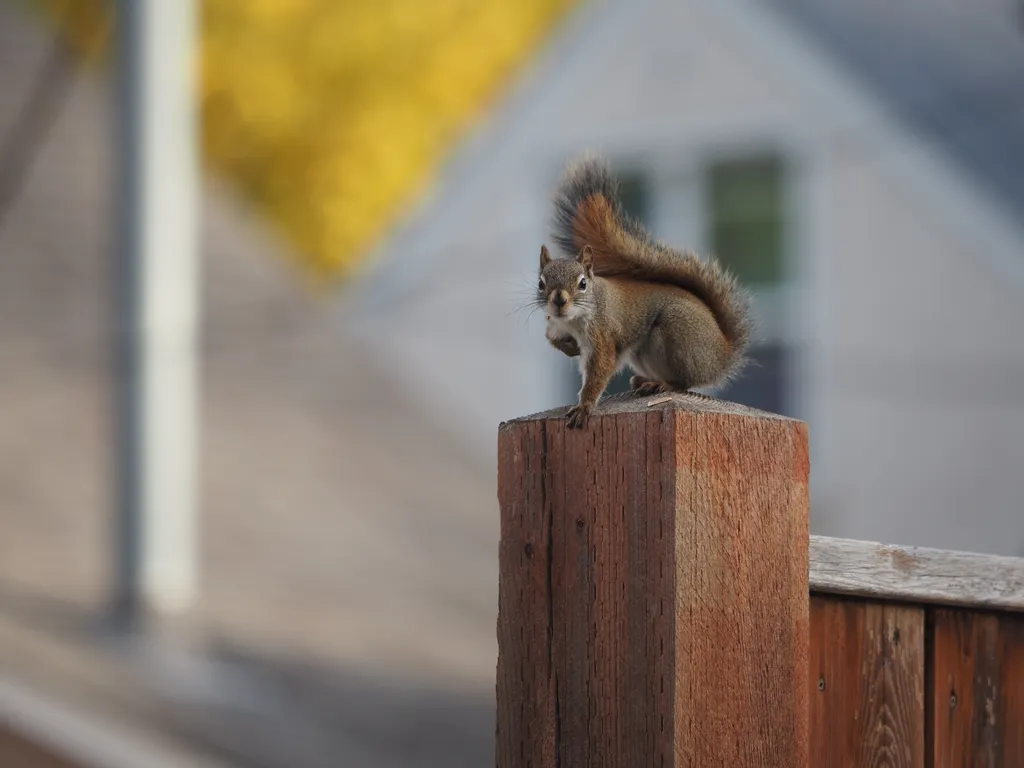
(261, 274)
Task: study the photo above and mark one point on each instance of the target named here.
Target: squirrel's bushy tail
(588, 212)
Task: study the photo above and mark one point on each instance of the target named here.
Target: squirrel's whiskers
(622, 299)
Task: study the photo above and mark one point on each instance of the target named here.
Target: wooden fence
(928, 670)
(661, 603)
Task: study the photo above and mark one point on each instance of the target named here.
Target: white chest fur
(559, 328)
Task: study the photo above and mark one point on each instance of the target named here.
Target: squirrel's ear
(545, 257)
(586, 257)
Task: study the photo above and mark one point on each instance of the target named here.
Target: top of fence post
(627, 403)
(653, 587)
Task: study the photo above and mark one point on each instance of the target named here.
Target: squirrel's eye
(540, 285)
(583, 283)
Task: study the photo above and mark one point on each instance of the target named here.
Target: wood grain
(976, 704)
(637, 632)
(866, 684)
(916, 574)
(1011, 635)
(526, 720)
(741, 646)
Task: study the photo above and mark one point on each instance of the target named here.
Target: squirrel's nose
(560, 299)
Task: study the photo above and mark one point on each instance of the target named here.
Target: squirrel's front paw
(578, 416)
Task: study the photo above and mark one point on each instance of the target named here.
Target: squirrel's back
(588, 211)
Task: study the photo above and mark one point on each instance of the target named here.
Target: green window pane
(746, 219)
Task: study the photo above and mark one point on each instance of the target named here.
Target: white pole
(156, 307)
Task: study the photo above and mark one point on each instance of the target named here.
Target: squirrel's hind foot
(645, 387)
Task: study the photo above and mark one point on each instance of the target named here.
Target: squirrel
(620, 298)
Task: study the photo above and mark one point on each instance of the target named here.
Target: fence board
(1011, 630)
(977, 701)
(902, 638)
(836, 654)
(867, 684)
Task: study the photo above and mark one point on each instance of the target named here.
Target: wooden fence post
(653, 598)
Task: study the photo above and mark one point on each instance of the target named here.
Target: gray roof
(952, 71)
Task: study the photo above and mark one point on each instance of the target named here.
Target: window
(746, 230)
(745, 218)
(762, 383)
(635, 194)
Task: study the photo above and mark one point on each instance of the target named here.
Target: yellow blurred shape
(331, 115)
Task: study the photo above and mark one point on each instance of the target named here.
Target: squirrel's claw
(578, 416)
(646, 387)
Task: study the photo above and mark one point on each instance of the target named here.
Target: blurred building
(860, 165)
(347, 551)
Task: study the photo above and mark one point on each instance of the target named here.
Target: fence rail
(916, 574)
(662, 604)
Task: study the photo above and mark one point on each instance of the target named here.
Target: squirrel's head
(566, 285)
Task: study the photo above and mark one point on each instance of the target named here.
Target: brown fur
(679, 321)
(619, 253)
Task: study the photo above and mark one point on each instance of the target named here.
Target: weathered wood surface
(976, 702)
(653, 598)
(867, 664)
(916, 574)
